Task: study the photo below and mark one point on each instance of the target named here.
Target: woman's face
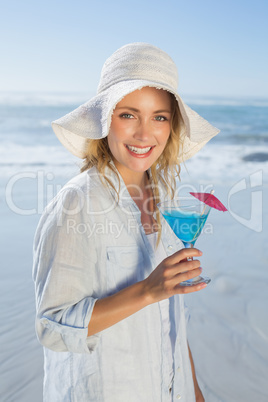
(140, 128)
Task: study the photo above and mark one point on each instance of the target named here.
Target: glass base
(196, 281)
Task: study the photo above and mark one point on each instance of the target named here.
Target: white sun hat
(131, 67)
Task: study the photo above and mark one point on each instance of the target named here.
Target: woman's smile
(139, 152)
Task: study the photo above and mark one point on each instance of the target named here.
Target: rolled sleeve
(52, 333)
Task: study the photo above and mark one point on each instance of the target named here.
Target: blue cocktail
(186, 219)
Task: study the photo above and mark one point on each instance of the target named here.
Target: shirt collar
(117, 186)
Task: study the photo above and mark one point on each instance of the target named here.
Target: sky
(220, 47)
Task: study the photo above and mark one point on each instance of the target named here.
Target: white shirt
(168, 334)
(88, 246)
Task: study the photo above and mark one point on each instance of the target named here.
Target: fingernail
(200, 252)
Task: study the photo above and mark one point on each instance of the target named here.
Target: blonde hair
(165, 169)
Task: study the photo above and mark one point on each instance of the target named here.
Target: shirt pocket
(124, 267)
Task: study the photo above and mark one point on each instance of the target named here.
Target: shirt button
(178, 369)
(170, 247)
(178, 396)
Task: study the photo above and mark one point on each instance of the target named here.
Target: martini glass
(186, 218)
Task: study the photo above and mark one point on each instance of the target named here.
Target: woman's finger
(190, 289)
(174, 281)
(170, 271)
(184, 254)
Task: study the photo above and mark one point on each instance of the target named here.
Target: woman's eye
(126, 116)
(160, 118)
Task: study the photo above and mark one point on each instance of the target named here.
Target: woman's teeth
(139, 151)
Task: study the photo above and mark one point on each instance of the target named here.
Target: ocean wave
(24, 124)
(18, 154)
(256, 157)
(218, 163)
(44, 99)
(221, 101)
(242, 139)
(214, 163)
(77, 98)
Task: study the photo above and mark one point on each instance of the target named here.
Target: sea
(28, 144)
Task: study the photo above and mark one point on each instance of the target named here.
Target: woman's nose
(143, 131)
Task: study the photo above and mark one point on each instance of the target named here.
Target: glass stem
(189, 245)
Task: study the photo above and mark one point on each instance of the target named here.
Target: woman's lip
(140, 155)
(138, 146)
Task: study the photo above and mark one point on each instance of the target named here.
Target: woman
(110, 309)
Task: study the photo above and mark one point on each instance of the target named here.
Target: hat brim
(92, 120)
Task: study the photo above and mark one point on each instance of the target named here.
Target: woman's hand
(161, 284)
(165, 280)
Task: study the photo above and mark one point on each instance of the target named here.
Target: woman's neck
(135, 182)
(139, 188)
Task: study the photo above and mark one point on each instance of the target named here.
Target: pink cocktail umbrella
(210, 200)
